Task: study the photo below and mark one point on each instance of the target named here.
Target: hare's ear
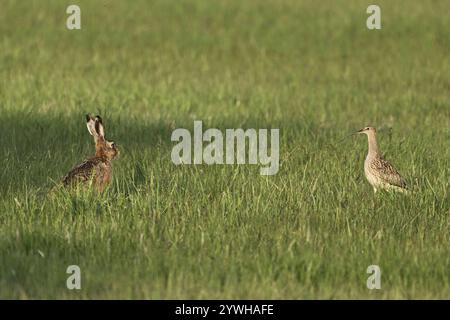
(90, 123)
(99, 127)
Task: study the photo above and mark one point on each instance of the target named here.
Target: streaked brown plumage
(386, 172)
(379, 172)
(98, 169)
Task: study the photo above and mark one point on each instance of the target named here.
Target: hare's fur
(97, 169)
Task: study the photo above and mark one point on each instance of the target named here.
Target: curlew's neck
(373, 146)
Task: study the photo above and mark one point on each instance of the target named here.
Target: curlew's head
(367, 130)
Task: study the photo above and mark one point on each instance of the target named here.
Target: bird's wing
(388, 173)
(80, 173)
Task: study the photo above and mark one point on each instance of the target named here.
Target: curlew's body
(379, 172)
(97, 169)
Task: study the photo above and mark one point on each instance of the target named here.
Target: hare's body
(96, 170)
(379, 172)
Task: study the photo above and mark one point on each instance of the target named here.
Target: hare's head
(103, 148)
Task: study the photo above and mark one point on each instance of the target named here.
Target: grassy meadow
(160, 231)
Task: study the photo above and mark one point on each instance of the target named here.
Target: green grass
(309, 68)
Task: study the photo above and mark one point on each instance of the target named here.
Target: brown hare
(98, 169)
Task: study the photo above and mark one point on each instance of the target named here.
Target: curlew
(379, 172)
